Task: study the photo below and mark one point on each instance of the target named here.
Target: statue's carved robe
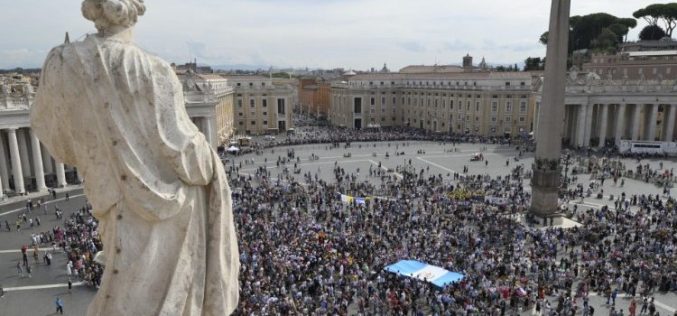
(159, 190)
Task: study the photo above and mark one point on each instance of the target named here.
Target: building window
(494, 106)
(522, 119)
(383, 100)
(265, 123)
(372, 101)
(241, 123)
(265, 113)
(508, 107)
(280, 106)
(251, 103)
(357, 106)
(265, 103)
(253, 123)
(523, 106)
(241, 114)
(239, 103)
(238, 84)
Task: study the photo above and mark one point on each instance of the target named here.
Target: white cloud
(315, 33)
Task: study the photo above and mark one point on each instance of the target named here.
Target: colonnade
(600, 124)
(23, 157)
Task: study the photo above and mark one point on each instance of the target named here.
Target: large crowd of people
(75, 237)
(306, 251)
(316, 135)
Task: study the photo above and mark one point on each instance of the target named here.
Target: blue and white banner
(439, 277)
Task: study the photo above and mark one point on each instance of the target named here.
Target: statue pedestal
(545, 190)
(545, 220)
(544, 207)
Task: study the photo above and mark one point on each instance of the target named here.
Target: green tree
(607, 41)
(534, 64)
(652, 33)
(652, 14)
(588, 28)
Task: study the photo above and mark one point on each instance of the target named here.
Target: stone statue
(157, 187)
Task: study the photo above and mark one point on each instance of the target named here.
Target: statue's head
(109, 14)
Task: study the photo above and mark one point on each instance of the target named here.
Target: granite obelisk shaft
(546, 176)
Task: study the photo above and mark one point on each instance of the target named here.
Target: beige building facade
(478, 103)
(209, 103)
(262, 105)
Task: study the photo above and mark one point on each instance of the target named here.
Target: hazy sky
(314, 33)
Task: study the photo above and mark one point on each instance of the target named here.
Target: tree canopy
(534, 63)
(600, 31)
(652, 33)
(659, 12)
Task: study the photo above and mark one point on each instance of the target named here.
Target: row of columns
(587, 127)
(20, 164)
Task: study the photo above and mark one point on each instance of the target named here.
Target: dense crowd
(305, 251)
(315, 135)
(77, 238)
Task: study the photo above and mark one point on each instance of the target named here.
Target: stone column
(651, 124)
(23, 152)
(16, 162)
(669, 120)
(546, 177)
(588, 124)
(580, 127)
(603, 124)
(37, 163)
(4, 166)
(78, 174)
(208, 125)
(636, 122)
(60, 175)
(620, 123)
(46, 160)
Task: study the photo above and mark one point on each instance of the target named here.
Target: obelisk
(546, 176)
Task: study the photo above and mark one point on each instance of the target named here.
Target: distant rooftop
(652, 53)
(431, 69)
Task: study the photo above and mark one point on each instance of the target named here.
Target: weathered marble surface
(117, 113)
